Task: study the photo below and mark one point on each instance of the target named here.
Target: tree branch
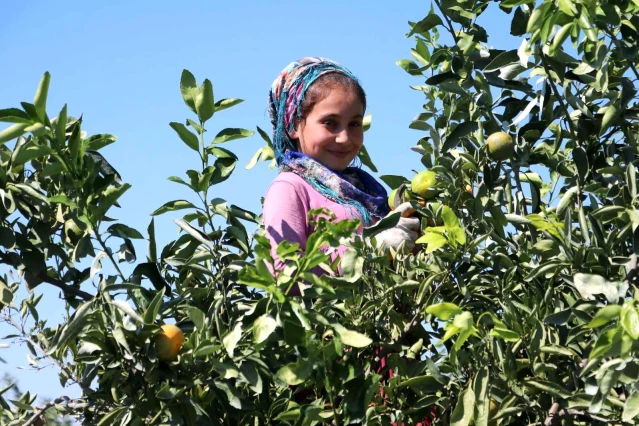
(524, 210)
(35, 344)
(75, 404)
(555, 415)
(573, 130)
(37, 413)
(448, 21)
(67, 289)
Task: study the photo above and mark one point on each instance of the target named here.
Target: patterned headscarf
(353, 187)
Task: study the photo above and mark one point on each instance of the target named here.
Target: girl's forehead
(340, 100)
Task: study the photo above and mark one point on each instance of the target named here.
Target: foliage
(519, 308)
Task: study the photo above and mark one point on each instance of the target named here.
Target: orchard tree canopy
(519, 307)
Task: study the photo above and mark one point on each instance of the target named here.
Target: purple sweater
(286, 205)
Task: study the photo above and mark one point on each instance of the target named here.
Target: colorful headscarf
(353, 187)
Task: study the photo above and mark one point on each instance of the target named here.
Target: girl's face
(332, 132)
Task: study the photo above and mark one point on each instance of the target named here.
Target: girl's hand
(404, 233)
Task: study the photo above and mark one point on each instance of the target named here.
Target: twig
(38, 413)
(524, 210)
(555, 415)
(35, 344)
(75, 405)
(617, 42)
(110, 256)
(67, 289)
(448, 21)
(573, 130)
(631, 277)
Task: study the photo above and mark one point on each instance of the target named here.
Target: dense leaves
(519, 305)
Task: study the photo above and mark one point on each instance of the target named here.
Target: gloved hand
(406, 230)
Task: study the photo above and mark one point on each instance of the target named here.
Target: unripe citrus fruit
(391, 199)
(72, 231)
(423, 184)
(168, 342)
(501, 146)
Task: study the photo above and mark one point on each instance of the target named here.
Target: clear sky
(118, 64)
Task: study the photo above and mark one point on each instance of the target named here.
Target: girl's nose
(342, 136)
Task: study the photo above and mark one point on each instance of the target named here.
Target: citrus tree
(517, 307)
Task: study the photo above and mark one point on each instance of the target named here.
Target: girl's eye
(356, 124)
(328, 122)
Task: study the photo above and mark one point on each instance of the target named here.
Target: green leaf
(631, 407)
(393, 181)
(40, 100)
(514, 3)
(605, 342)
(295, 373)
(560, 37)
(462, 130)
(444, 311)
(73, 327)
(604, 316)
(195, 233)
(123, 231)
(204, 102)
(189, 138)
(223, 104)
(581, 161)
(434, 241)
(502, 60)
(173, 206)
(263, 326)
(189, 89)
(221, 152)
(463, 412)
(127, 309)
(505, 334)
(388, 222)
(30, 152)
(566, 201)
(513, 218)
(230, 134)
(464, 321)
(551, 388)
(425, 25)
(352, 338)
(422, 385)
(6, 295)
(630, 320)
(366, 123)
(255, 158)
(409, 66)
(12, 132)
(153, 309)
(14, 115)
(205, 350)
(232, 338)
(482, 401)
(365, 158)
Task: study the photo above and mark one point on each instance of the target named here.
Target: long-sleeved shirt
(286, 206)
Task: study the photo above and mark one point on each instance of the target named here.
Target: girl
(316, 108)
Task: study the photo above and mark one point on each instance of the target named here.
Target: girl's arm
(285, 217)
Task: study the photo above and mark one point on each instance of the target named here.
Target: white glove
(405, 232)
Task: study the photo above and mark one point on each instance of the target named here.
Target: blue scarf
(353, 188)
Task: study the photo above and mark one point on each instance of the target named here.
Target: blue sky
(118, 64)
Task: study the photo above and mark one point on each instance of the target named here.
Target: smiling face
(331, 132)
